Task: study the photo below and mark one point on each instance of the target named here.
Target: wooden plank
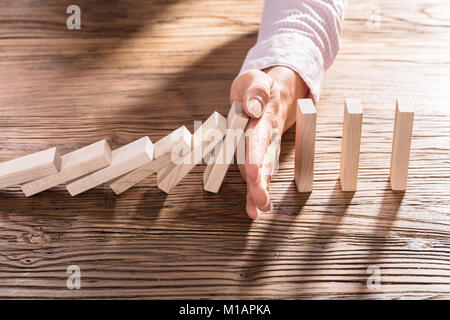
(305, 142)
(30, 167)
(215, 171)
(350, 147)
(73, 165)
(123, 160)
(204, 139)
(401, 144)
(170, 148)
(149, 245)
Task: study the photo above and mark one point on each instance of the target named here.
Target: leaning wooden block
(204, 139)
(401, 144)
(31, 167)
(123, 160)
(73, 165)
(170, 148)
(215, 171)
(351, 140)
(305, 140)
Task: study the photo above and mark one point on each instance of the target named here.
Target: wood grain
(217, 168)
(350, 144)
(29, 167)
(142, 68)
(165, 151)
(123, 160)
(401, 144)
(204, 140)
(305, 144)
(74, 165)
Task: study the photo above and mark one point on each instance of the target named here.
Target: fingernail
(254, 107)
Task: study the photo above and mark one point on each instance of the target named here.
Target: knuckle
(261, 90)
(274, 122)
(252, 72)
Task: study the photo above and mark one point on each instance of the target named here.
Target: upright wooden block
(351, 140)
(401, 144)
(123, 160)
(305, 141)
(30, 167)
(216, 170)
(204, 139)
(168, 149)
(73, 165)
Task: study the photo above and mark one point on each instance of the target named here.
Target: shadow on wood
(380, 242)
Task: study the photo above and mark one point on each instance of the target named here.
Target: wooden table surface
(147, 67)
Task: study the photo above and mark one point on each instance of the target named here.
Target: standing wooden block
(73, 165)
(351, 140)
(305, 141)
(215, 172)
(123, 160)
(31, 167)
(401, 144)
(204, 139)
(170, 148)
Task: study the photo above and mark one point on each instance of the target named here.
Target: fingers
(259, 134)
(258, 137)
(271, 159)
(253, 89)
(252, 210)
(261, 102)
(258, 193)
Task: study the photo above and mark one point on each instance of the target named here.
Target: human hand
(269, 98)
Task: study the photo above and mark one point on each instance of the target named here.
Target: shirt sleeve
(300, 34)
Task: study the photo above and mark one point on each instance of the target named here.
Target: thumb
(253, 88)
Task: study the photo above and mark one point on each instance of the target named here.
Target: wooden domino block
(215, 172)
(168, 149)
(204, 139)
(401, 144)
(305, 140)
(73, 165)
(123, 160)
(351, 140)
(30, 167)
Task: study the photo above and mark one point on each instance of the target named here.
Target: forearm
(302, 35)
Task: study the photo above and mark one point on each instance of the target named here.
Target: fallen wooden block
(30, 167)
(350, 147)
(170, 148)
(73, 165)
(401, 144)
(305, 140)
(204, 139)
(215, 172)
(123, 160)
